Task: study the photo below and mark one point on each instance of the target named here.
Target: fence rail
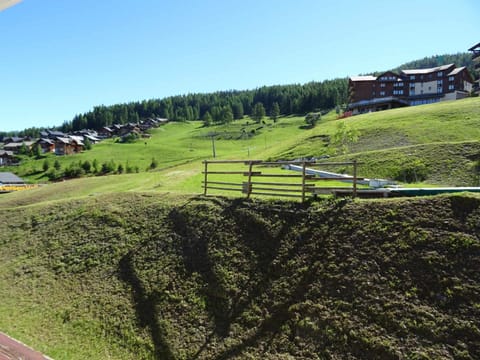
(258, 169)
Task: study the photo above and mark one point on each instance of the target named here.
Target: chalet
(51, 134)
(128, 128)
(46, 145)
(16, 146)
(93, 139)
(6, 158)
(105, 132)
(408, 88)
(68, 146)
(13, 139)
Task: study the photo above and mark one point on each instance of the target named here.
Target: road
(11, 349)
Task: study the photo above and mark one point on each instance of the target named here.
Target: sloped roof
(363, 78)
(427, 71)
(6, 152)
(456, 71)
(63, 140)
(10, 178)
(474, 47)
(48, 141)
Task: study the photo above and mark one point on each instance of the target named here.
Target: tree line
(219, 107)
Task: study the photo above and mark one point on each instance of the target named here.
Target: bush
(412, 172)
(153, 164)
(312, 119)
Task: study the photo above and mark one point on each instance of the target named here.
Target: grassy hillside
(132, 266)
(146, 275)
(434, 144)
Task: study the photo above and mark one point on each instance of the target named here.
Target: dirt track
(11, 349)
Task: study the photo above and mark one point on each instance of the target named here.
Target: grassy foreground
(146, 275)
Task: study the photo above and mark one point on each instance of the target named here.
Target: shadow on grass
(146, 314)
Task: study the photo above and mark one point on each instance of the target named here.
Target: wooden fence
(259, 181)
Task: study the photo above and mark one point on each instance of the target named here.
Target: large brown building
(476, 60)
(408, 88)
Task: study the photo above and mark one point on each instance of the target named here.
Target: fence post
(354, 179)
(206, 178)
(249, 184)
(303, 181)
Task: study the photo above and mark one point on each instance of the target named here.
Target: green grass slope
(144, 276)
(440, 142)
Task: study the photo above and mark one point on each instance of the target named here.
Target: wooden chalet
(68, 146)
(16, 146)
(105, 132)
(13, 139)
(6, 158)
(46, 145)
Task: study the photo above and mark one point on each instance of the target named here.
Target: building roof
(63, 140)
(18, 144)
(474, 47)
(6, 152)
(457, 70)
(10, 178)
(47, 141)
(427, 71)
(363, 78)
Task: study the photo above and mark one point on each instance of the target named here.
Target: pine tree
(258, 112)
(207, 119)
(275, 112)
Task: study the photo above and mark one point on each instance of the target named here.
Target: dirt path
(11, 349)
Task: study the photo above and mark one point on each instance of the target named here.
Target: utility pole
(213, 145)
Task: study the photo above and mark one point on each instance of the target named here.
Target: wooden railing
(301, 186)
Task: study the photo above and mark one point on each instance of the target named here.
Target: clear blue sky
(59, 58)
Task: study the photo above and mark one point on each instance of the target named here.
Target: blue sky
(59, 58)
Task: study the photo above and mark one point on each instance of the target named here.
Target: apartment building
(408, 88)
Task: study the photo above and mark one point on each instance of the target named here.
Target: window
(439, 90)
(382, 85)
(440, 73)
(439, 82)
(398, 84)
(451, 87)
(412, 77)
(451, 78)
(412, 92)
(382, 93)
(397, 92)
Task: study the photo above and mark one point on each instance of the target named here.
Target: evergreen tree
(86, 166)
(88, 144)
(95, 165)
(237, 109)
(57, 165)
(207, 119)
(37, 151)
(46, 165)
(227, 114)
(275, 112)
(258, 112)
